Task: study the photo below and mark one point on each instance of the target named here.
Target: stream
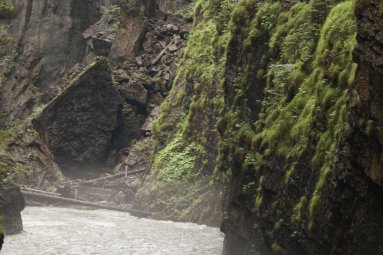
(70, 231)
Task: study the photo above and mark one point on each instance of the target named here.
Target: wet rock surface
(11, 205)
(43, 53)
(50, 231)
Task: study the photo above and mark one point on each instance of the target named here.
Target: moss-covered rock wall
(277, 80)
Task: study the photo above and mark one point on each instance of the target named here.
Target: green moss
(259, 196)
(296, 215)
(307, 87)
(307, 68)
(176, 160)
(6, 48)
(6, 9)
(289, 172)
(6, 134)
(368, 127)
(278, 224)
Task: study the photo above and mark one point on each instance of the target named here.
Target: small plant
(110, 9)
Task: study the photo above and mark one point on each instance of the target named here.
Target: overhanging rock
(79, 125)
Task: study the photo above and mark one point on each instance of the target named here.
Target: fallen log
(112, 177)
(39, 191)
(159, 56)
(109, 177)
(85, 203)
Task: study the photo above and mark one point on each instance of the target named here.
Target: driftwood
(39, 191)
(159, 56)
(111, 177)
(41, 178)
(85, 203)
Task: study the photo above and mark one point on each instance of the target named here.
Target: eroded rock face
(11, 205)
(349, 218)
(369, 80)
(79, 125)
(48, 42)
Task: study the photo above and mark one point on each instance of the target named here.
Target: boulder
(79, 125)
(134, 92)
(11, 205)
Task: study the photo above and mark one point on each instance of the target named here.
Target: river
(70, 231)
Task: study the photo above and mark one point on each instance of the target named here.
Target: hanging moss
(304, 103)
(305, 69)
(259, 196)
(197, 87)
(296, 214)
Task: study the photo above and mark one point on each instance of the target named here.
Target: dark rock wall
(55, 41)
(369, 55)
(11, 205)
(48, 41)
(80, 124)
(348, 216)
(299, 146)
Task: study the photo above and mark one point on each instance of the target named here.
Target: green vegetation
(5, 41)
(295, 64)
(297, 210)
(307, 68)
(259, 196)
(194, 90)
(6, 9)
(176, 162)
(10, 133)
(113, 11)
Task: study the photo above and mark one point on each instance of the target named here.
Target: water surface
(69, 231)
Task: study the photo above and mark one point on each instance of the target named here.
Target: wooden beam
(85, 203)
(112, 177)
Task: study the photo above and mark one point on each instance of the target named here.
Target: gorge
(263, 118)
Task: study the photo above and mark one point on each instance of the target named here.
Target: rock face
(11, 205)
(300, 140)
(43, 52)
(130, 34)
(278, 215)
(369, 55)
(80, 125)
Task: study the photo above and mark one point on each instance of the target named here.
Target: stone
(171, 28)
(78, 126)
(134, 92)
(139, 61)
(133, 117)
(101, 47)
(11, 205)
(173, 48)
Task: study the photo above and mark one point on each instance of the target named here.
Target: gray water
(53, 231)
